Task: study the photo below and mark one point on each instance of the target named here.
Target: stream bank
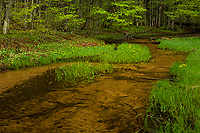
(111, 104)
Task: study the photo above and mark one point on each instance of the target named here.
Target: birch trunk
(159, 18)
(7, 18)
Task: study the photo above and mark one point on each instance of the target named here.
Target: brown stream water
(30, 103)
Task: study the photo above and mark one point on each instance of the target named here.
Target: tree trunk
(137, 22)
(173, 24)
(78, 12)
(7, 18)
(32, 16)
(25, 7)
(159, 18)
(157, 12)
(39, 2)
(74, 18)
(168, 25)
(1, 11)
(152, 16)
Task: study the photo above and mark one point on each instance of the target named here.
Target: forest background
(42, 16)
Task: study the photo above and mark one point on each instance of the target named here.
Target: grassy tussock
(82, 71)
(127, 53)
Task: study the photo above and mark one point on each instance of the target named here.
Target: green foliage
(73, 15)
(82, 71)
(184, 9)
(121, 13)
(174, 106)
(24, 50)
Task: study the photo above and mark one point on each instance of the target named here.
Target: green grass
(33, 49)
(175, 106)
(46, 53)
(127, 53)
(82, 71)
(181, 44)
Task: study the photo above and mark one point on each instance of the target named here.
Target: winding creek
(30, 103)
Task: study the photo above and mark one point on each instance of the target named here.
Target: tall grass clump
(175, 106)
(127, 53)
(82, 71)
(181, 44)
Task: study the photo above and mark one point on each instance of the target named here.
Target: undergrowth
(175, 106)
(46, 53)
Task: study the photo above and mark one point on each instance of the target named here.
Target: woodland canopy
(75, 15)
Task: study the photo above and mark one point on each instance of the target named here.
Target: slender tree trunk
(39, 11)
(47, 14)
(25, 7)
(157, 10)
(173, 24)
(152, 15)
(169, 21)
(1, 13)
(150, 18)
(180, 26)
(164, 15)
(137, 22)
(32, 16)
(78, 13)
(159, 18)
(137, 19)
(74, 18)
(7, 18)
(173, 8)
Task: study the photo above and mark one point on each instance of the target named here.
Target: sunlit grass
(175, 106)
(127, 53)
(181, 44)
(45, 54)
(82, 71)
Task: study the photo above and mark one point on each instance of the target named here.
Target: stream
(113, 103)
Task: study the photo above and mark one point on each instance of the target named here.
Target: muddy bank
(114, 103)
(11, 78)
